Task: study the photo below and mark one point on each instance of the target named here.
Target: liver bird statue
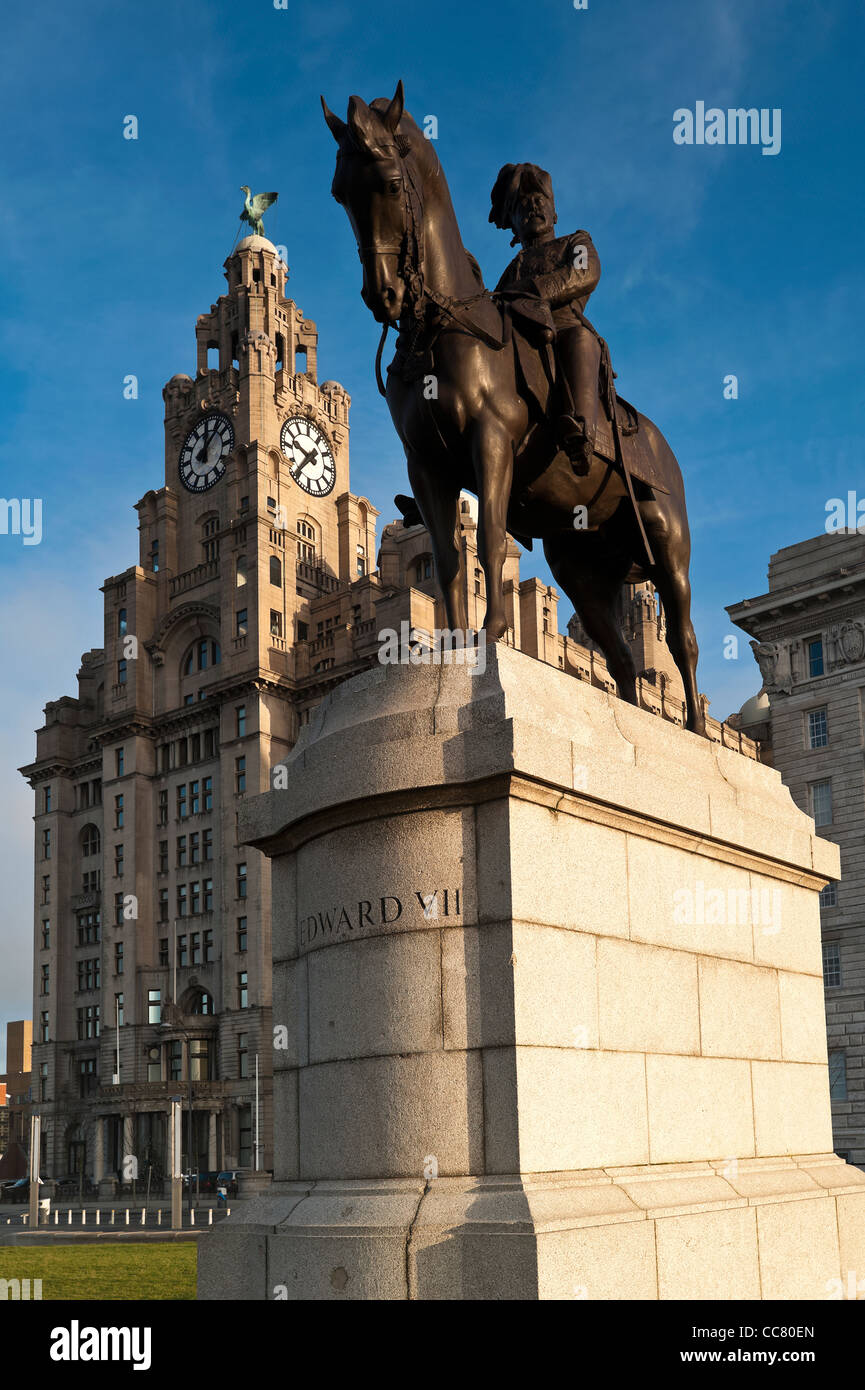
(254, 207)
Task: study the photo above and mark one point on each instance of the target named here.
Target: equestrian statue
(510, 394)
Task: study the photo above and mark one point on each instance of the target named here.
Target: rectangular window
(119, 762)
(181, 899)
(163, 905)
(96, 788)
(121, 671)
(275, 623)
(87, 1078)
(46, 935)
(815, 657)
(175, 1060)
(163, 856)
(821, 802)
(208, 895)
(118, 1010)
(118, 812)
(154, 1006)
(181, 851)
(241, 623)
(829, 895)
(88, 924)
(45, 983)
(838, 1075)
(199, 1060)
(46, 844)
(209, 743)
(243, 1055)
(118, 861)
(207, 837)
(182, 951)
(239, 775)
(194, 850)
(195, 898)
(43, 1026)
(46, 799)
(88, 975)
(194, 799)
(241, 880)
(831, 964)
(46, 888)
(818, 729)
(195, 948)
(43, 1080)
(242, 990)
(154, 557)
(163, 950)
(118, 957)
(240, 721)
(118, 909)
(208, 947)
(163, 806)
(208, 793)
(241, 934)
(182, 812)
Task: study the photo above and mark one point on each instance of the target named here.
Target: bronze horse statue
(472, 408)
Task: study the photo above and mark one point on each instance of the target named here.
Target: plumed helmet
(513, 182)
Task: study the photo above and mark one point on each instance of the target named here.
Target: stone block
(739, 1010)
(698, 1108)
(647, 998)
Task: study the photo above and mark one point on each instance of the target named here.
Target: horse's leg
(593, 587)
(493, 458)
(440, 511)
(667, 529)
(674, 587)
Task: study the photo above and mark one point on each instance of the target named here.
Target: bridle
(410, 269)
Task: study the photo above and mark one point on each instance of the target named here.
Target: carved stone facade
(809, 642)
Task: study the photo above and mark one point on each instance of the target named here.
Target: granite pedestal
(548, 1008)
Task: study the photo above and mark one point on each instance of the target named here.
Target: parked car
(17, 1191)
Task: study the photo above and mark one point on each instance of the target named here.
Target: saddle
(528, 325)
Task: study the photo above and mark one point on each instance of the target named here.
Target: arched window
(423, 568)
(276, 571)
(91, 840)
(306, 541)
(201, 655)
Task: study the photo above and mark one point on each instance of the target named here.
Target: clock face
(204, 452)
(309, 453)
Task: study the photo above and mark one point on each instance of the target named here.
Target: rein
(410, 271)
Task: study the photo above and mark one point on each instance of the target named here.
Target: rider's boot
(577, 441)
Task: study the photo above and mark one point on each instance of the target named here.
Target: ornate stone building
(254, 593)
(809, 641)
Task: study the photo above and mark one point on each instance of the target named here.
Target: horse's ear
(359, 123)
(393, 114)
(338, 128)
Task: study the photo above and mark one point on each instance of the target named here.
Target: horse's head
(370, 183)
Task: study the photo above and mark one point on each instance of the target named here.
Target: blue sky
(716, 260)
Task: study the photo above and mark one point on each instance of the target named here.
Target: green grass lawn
(164, 1270)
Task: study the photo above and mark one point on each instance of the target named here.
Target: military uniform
(549, 283)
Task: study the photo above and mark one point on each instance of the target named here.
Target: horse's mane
(424, 152)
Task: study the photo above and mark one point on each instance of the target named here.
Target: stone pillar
(211, 1141)
(98, 1148)
(549, 974)
(128, 1144)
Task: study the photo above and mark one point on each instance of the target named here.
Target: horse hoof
(495, 631)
